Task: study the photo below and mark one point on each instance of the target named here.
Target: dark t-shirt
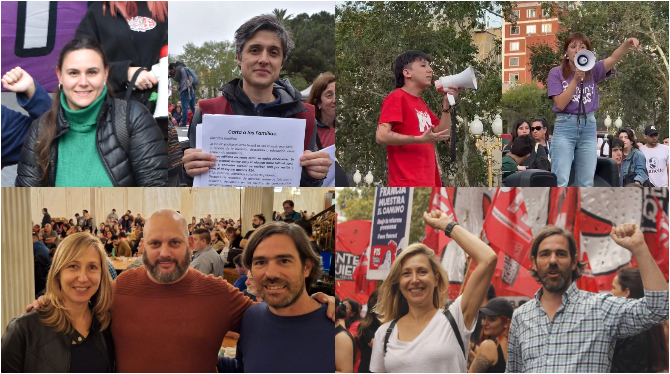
(144, 33)
(248, 234)
(273, 344)
(366, 351)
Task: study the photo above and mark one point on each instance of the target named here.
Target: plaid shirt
(582, 335)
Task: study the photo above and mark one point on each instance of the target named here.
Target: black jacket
(117, 40)
(146, 163)
(242, 106)
(28, 346)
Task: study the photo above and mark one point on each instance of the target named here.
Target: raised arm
(618, 54)
(629, 236)
(482, 254)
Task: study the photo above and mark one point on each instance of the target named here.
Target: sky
(202, 21)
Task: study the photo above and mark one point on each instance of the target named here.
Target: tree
(358, 203)
(369, 36)
(526, 101)
(638, 88)
(214, 62)
(281, 15)
(314, 52)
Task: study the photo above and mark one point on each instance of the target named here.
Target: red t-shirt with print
(410, 165)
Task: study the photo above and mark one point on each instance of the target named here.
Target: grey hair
(300, 239)
(259, 23)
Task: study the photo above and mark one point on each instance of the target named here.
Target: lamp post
(369, 178)
(488, 145)
(618, 123)
(357, 177)
(608, 124)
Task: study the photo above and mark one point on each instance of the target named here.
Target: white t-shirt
(435, 350)
(657, 164)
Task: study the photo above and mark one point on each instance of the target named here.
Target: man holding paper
(262, 45)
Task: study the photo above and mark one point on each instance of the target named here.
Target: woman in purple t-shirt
(574, 135)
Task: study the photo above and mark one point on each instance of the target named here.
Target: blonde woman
(71, 333)
(417, 335)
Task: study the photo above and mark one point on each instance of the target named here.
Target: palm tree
(281, 15)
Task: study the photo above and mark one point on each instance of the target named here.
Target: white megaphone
(585, 60)
(160, 71)
(466, 79)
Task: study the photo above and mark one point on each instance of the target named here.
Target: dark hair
(35, 236)
(47, 133)
(238, 260)
(544, 125)
(305, 225)
(300, 240)
(631, 136)
(401, 63)
(114, 237)
(370, 316)
(259, 23)
(290, 202)
(616, 143)
(551, 230)
(261, 217)
(45, 210)
(288, 220)
(515, 127)
(356, 308)
(522, 146)
(566, 72)
(203, 234)
(491, 293)
(232, 230)
(629, 279)
(122, 234)
(340, 309)
(318, 87)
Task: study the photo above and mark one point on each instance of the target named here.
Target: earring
(60, 86)
(566, 56)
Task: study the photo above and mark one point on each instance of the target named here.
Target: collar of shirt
(569, 294)
(261, 106)
(197, 254)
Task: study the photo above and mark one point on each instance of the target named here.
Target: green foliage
(358, 203)
(526, 101)
(214, 62)
(370, 35)
(638, 88)
(314, 53)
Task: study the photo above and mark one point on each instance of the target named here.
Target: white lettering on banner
(510, 270)
(511, 225)
(345, 264)
(388, 191)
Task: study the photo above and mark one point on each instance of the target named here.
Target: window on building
(514, 30)
(513, 61)
(514, 46)
(530, 29)
(531, 13)
(546, 13)
(546, 28)
(514, 78)
(516, 14)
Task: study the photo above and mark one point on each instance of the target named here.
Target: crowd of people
(573, 146)
(101, 77)
(410, 326)
(640, 162)
(278, 264)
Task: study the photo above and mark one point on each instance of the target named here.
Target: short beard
(180, 268)
(291, 299)
(566, 280)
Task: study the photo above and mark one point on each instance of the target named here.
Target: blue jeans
(187, 101)
(574, 143)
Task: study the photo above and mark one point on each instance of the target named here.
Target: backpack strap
(454, 326)
(131, 84)
(121, 120)
(388, 333)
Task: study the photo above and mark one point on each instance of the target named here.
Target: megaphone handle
(452, 100)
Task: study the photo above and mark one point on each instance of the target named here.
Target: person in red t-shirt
(408, 128)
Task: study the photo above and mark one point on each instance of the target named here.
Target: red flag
(360, 274)
(351, 241)
(661, 255)
(587, 282)
(440, 199)
(512, 279)
(507, 227)
(563, 207)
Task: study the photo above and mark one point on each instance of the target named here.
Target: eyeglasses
(536, 128)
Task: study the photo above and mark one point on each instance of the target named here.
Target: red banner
(507, 227)
(351, 242)
(441, 199)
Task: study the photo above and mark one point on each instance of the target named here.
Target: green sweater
(79, 163)
(509, 166)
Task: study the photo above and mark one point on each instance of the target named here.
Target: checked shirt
(582, 335)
